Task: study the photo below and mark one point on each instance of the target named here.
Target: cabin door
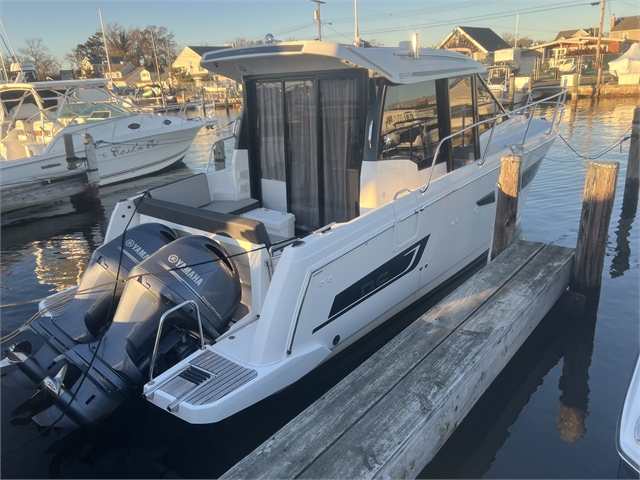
(309, 147)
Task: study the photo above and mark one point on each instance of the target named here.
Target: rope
(623, 138)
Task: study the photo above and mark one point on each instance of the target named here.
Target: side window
(463, 145)
(488, 107)
(409, 127)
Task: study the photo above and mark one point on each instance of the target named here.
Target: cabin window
(488, 107)
(409, 127)
(308, 145)
(463, 145)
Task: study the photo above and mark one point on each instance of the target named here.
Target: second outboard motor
(191, 268)
(103, 280)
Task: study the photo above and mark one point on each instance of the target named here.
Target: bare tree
(37, 53)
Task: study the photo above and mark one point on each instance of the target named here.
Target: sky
(62, 24)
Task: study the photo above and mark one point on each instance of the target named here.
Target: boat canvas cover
(627, 63)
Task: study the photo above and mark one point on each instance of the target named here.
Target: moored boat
(129, 142)
(361, 180)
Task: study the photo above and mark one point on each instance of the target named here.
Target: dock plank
(298, 448)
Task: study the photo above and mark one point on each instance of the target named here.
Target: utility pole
(599, 58)
(316, 16)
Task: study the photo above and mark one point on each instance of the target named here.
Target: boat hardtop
(397, 65)
(360, 180)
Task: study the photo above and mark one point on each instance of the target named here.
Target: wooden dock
(390, 416)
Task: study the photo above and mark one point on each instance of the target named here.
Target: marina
(541, 229)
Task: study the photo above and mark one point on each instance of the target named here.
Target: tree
(37, 53)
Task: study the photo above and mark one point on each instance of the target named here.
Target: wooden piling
(93, 174)
(504, 227)
(70, 152)
(632, 180)
(574, 86)
(597, 204)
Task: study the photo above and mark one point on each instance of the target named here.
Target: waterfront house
(625, 28)
(189, 61)
(476, 42)
(97, 66)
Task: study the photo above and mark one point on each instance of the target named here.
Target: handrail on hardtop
(560, 99)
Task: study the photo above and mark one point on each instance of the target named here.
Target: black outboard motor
(106, 371)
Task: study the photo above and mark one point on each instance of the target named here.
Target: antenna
(357, 33)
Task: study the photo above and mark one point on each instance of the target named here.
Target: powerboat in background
(361, 180)
(498, 81)
(129, 142)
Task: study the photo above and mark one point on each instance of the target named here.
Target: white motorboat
(628, 434)
(361, 180)
(498, 81)
(129, 142)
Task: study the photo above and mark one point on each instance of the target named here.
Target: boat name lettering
(135, 248)
(178, 262)
(120, 150)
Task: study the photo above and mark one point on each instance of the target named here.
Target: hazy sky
(63, 24)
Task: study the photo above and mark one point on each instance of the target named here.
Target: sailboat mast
(106, 51)
(13, 52)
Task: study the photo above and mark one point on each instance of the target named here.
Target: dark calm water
(551, 414)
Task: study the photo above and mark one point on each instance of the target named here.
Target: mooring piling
(632, 180)
(597, 205)
(504, 227)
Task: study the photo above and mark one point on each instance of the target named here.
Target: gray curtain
(271, 130)
(339, 143)
(302, 132)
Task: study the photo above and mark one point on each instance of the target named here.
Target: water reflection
(573, 406)
(620, 262)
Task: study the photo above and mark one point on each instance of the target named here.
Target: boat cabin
(329, 139)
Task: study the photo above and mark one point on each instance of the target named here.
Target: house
(189, 61)
(99, 65)
(625, 28)
(576, 43)
(476, 42)
(119, 73)
(578, 33)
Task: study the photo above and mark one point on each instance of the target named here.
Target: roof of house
(99, 60)
(627, 23)
(486, 38)
(587, 32)
(204, 49)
